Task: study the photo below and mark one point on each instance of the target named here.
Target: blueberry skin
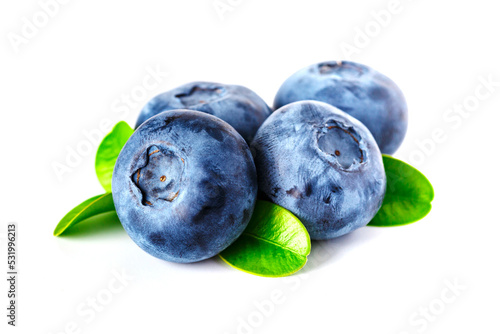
(184, 186)
(322, 165)
(239, 106)
(360, 91)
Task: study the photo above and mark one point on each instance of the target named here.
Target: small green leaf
(408, 196)
(108, 151)
(91, 207)
(101, 226)
(274, 244)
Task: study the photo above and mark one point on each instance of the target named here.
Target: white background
(73, 73)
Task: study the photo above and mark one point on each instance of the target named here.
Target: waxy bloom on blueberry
(322, 165)
(356, 89)
(237, 105)
(184, 185)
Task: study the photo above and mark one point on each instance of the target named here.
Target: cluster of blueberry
(186, 182)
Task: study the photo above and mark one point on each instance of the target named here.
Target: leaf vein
(274, 243)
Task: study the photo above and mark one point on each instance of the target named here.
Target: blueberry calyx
(339, 68)
(200, 95)
(341, 143)
(160, 177)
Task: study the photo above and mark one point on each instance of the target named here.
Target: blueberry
(322, 165)
(360, 91)
(184, 185)
(237, 105)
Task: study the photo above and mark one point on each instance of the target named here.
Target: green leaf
(408, 196)
(91, 207)
(102, 226)
(108, 151)
(274, 244)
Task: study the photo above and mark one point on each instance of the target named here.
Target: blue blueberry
(184, 185)
(360, 91)
(322, 165)
(239, 106)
